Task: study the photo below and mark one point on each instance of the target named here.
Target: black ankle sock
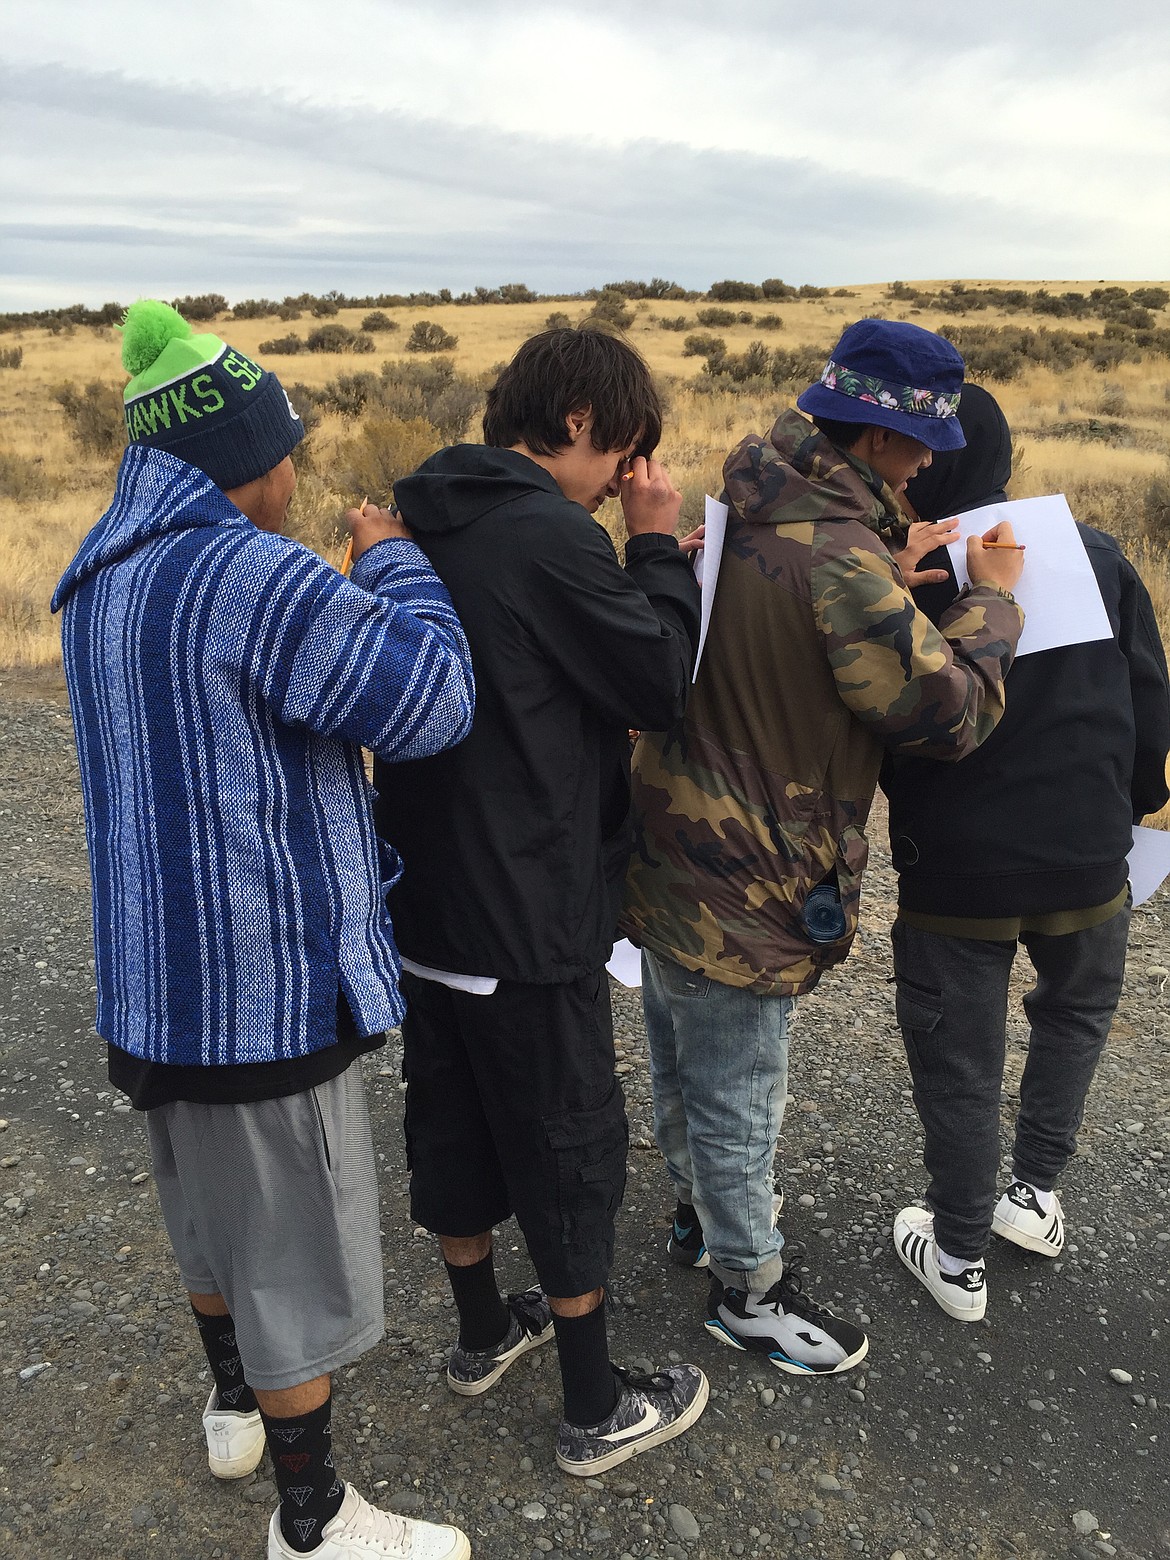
(219, 1344)
(483, 1316)
(302, 1459)
(589, 1382)
(685, 1215)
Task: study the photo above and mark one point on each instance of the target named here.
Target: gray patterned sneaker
(472, 1371)
(1018, 1217)
(650, 1410)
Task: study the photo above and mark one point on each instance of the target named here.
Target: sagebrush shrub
(717, 317)
(426, 336)
(377, 320)
(703, 344)
(95, 415)
(204, 307)
(610, 308)
(384, 449)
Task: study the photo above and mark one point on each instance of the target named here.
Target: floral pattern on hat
(882, 392)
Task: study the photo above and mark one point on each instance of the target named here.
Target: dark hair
(562, 371)
(843, 434)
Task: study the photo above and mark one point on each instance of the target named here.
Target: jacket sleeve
(379, 659)
(625, 638)
(933, 692)
(1141, 644)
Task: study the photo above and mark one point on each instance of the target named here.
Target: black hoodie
(515, 843)
(1039, 817)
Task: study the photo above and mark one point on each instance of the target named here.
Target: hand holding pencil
(995, 558)
(368, 524)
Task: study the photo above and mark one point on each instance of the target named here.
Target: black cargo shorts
(512, 1107)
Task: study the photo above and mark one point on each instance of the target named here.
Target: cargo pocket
(589, 1150)
(919, 1011)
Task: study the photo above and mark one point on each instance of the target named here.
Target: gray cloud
(176, 188)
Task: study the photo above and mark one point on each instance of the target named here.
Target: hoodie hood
(958, 480)
(459, 485)
(796, 475)
(156, 494)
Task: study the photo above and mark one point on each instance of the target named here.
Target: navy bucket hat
(894, 375)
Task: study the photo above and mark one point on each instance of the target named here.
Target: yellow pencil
(1006, 546)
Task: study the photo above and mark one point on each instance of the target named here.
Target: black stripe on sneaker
(1052, 1233)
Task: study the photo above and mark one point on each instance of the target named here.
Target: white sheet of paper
(707, 562)
(1057, 590)
(625, 963)
(1149, 862)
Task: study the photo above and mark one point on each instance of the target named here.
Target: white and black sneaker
(685, 1245)
(962, 1295)
(798, 1335)
(650, 1410)
(1018, 1217)
(472, 1371)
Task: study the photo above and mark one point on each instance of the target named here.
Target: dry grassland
(53, 492)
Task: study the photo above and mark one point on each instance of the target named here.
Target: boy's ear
(578, 422)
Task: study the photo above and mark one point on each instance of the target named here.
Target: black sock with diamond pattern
(302, 1459)
(219, 1344)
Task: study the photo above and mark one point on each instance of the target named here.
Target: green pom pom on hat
(147, 326)
(158, 346)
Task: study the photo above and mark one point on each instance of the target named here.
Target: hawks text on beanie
(201, 400)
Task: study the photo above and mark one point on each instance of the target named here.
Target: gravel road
(1038, 1432)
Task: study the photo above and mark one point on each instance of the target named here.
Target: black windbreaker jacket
(515, 843)
(1039, 818)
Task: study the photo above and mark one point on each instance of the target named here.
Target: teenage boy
(223, 681)
(515, 845)
(1024, 843)
(746, 877)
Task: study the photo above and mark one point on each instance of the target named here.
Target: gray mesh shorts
(274, 1205)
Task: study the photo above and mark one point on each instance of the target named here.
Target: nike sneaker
(235, 1441)
(1018, 1217)
(796, 1333)
(649, 1411)
(685, 1245)
(472, 1371)
(962, 1295)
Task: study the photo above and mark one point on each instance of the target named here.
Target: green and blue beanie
(201, 400)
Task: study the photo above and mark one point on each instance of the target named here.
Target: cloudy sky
(255, 148)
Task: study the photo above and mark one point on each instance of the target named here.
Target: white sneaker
(235, 1441)
(961, 1295)
(360, 1531)
(1018, 1217)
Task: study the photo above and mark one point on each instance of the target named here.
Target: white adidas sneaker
(1018, 1217)
(961, 1295)
(235, 1441)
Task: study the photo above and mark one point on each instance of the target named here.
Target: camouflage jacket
(816, 662)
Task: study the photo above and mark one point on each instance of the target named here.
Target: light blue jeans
(719, 1069)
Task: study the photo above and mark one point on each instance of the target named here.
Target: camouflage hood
(796, 476)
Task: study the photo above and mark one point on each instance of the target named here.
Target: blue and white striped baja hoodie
(223, 682)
